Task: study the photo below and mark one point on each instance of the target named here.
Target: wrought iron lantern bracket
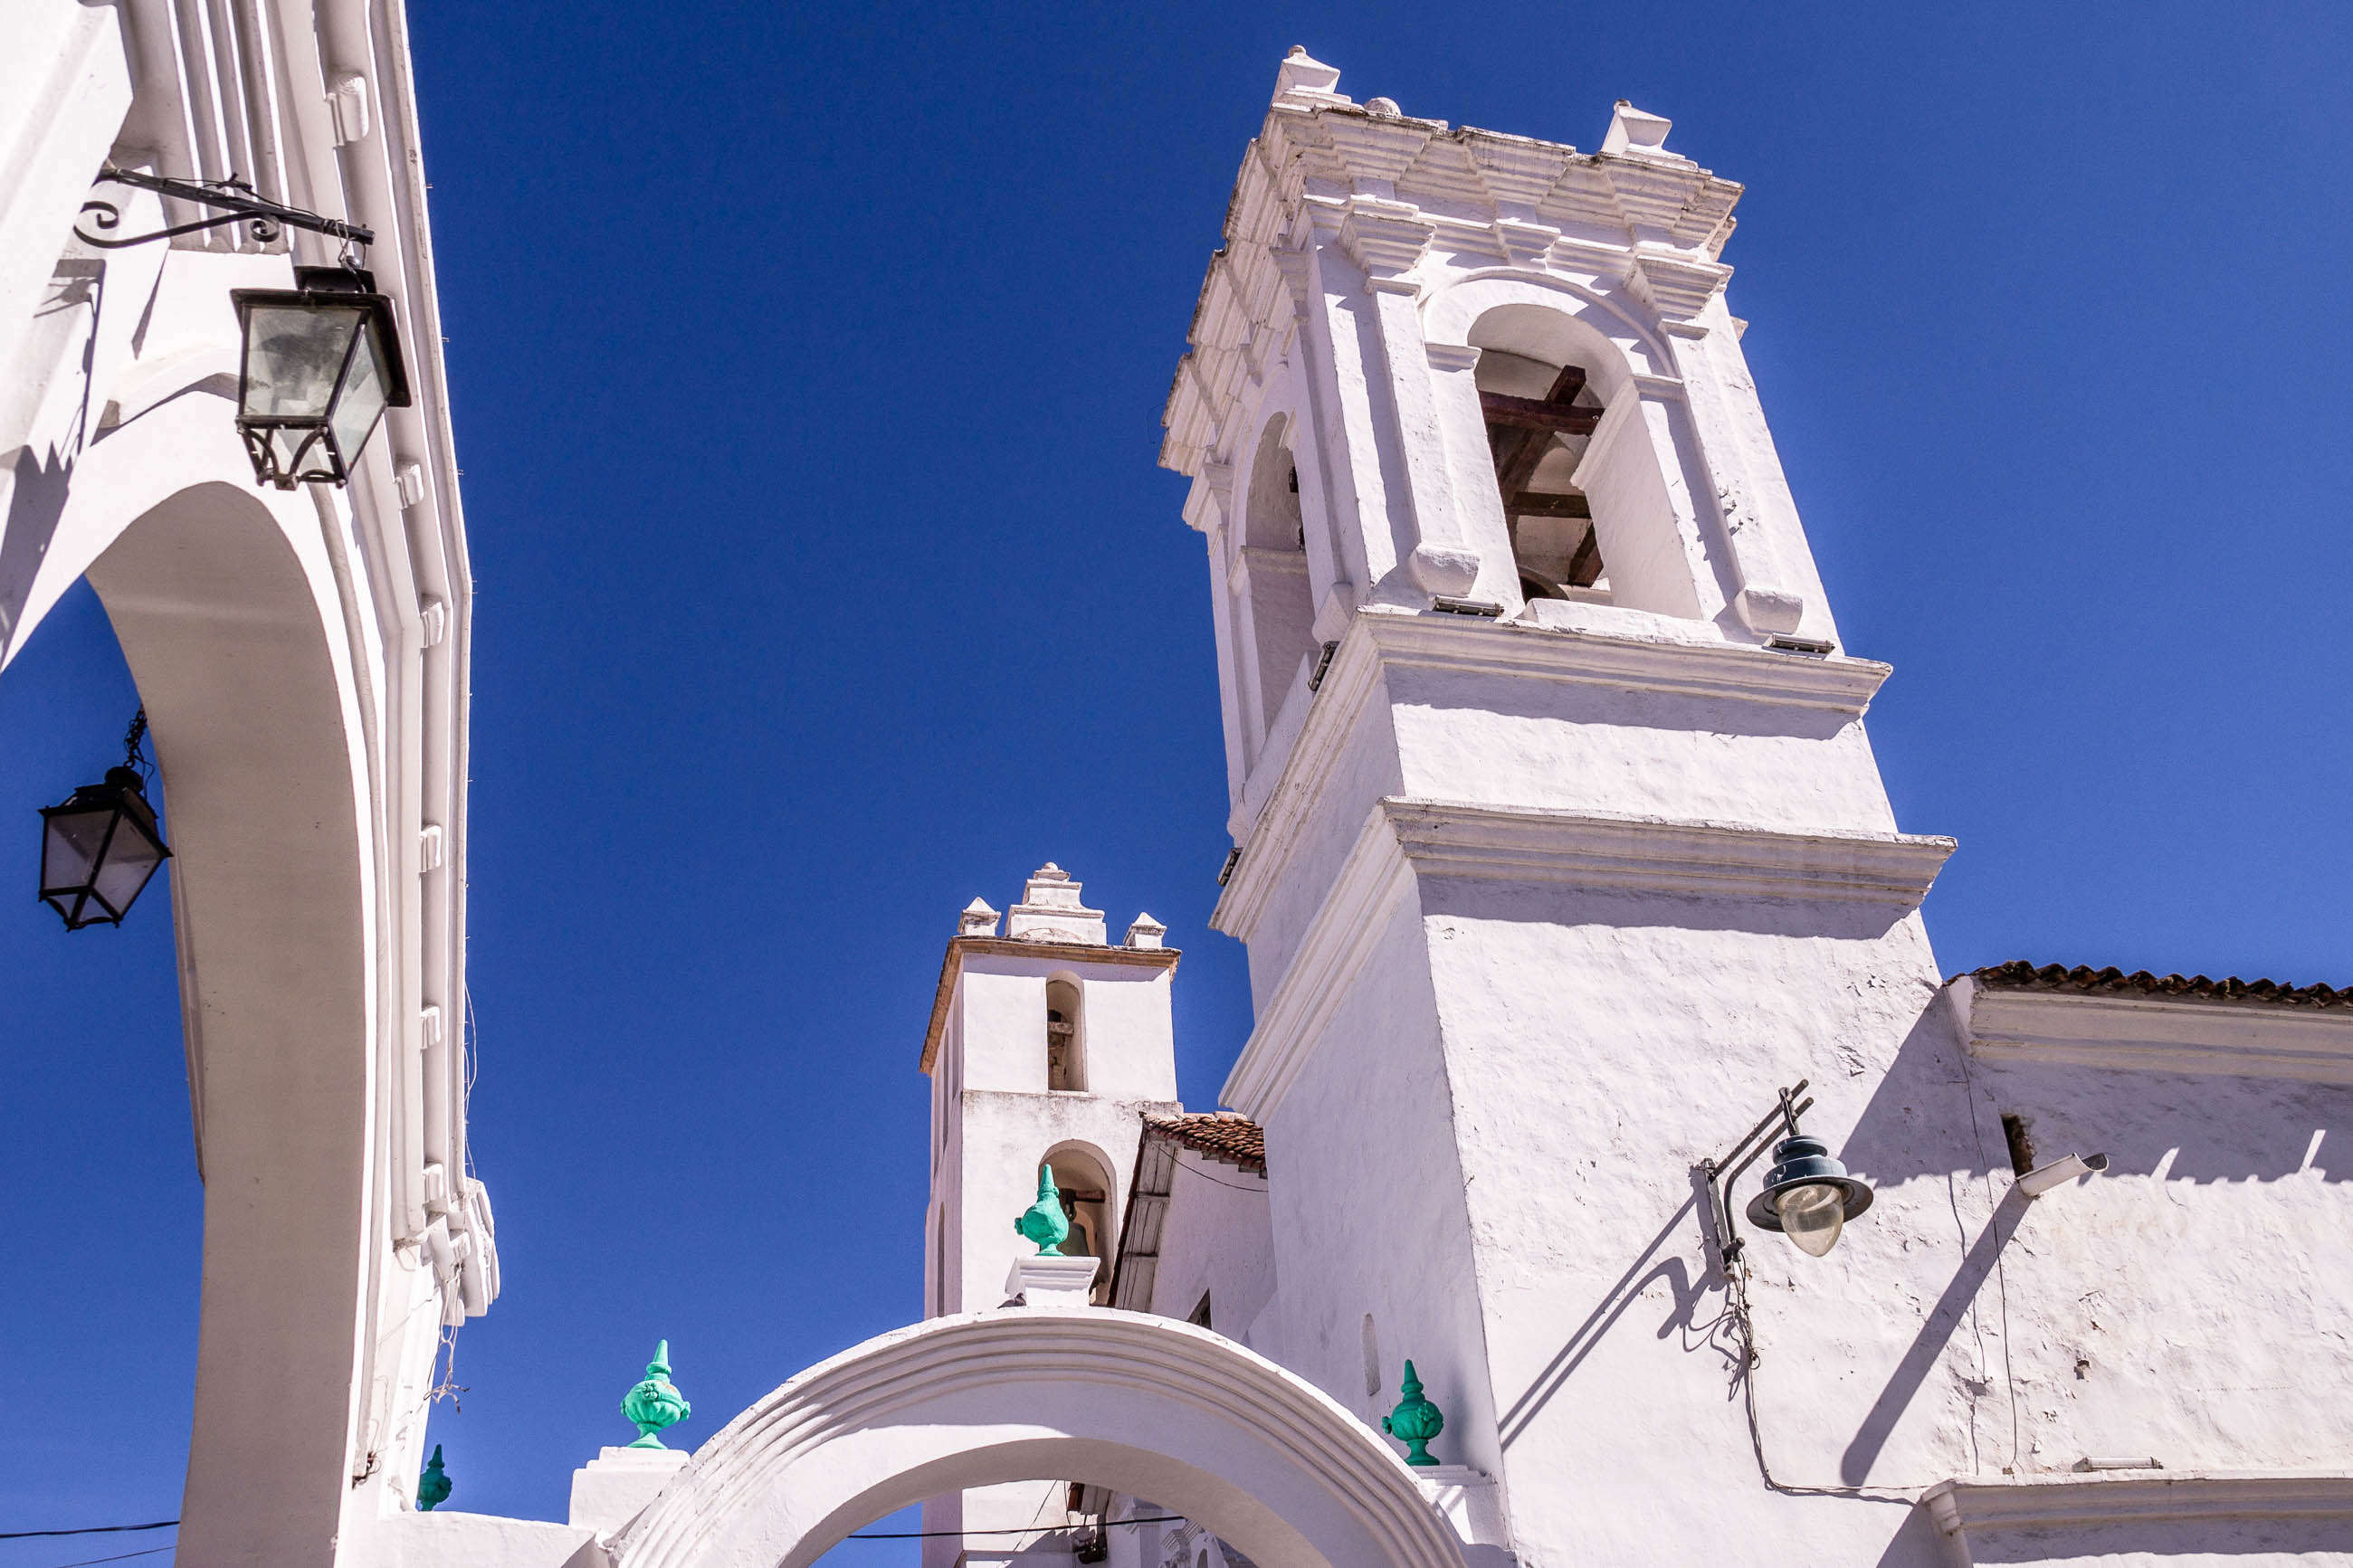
(1722, 1174)
(235, 201)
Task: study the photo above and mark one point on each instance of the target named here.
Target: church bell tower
(1047, 1048)
(1560, 843)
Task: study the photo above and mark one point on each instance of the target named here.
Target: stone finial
(1051, 910)
(1415, 1421)
(1044, 1222)
(978, 919)
(655, 1403)
(433, 1485)
(1638, 134)
(1383, 108)
(1145, 931)
(1305, 81)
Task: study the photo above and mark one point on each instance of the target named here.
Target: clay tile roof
(2020, 975)
(1225, 1135)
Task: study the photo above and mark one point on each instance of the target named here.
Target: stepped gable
(2020, 975)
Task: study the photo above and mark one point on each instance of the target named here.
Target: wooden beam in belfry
(1526, 503)
(1534, 414)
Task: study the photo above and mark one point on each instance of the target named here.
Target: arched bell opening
(1540, 422)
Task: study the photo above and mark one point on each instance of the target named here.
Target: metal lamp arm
(1722, 1174)
(237, 202)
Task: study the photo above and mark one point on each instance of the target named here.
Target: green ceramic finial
(656, 1402)
(433, 1485)
(1415, 1421)
(1044, 1222)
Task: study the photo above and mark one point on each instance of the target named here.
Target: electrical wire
(1230, 1186)
(1041, 1529)
(86, 1530)
(118, 1557)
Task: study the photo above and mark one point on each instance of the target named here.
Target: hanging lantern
(321, 364)
(100, 847)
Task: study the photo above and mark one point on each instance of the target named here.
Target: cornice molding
(2046, 1502)
(1377, 640)
(1607, 851)
(2152, 1034)
(951, 966)
(1405, 841)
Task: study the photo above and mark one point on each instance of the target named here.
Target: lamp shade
(97, 850)
(322, 363)
(1808, 1195)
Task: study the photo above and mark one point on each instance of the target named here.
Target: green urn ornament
(433, 1485)
(1415, 1421)
(656, 1402)
(1044, 1222)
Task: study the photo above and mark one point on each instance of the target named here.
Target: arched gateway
(1147, 1406)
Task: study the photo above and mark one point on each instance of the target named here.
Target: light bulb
(1811, 1215)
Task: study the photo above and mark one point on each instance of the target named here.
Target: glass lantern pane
(1811, 1215)
(70, 845)
(293, 355)
(362, 402)
(130, 861)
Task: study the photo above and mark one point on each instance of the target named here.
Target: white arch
(276, 698)
(1147, 1406)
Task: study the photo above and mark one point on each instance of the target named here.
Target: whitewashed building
(1566, 872)
(302, 655)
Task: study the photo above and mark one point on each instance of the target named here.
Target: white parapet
(614, 1488)
(1042, 1282)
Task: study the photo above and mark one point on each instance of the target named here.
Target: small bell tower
(1047, 1048)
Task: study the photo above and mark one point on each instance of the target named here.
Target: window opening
(1538, 422)
(1066, 1061)
(1200, 1316)
(2022, 1147)
(1085, 1192)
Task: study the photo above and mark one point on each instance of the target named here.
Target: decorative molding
(2041, 1502)
(1703, 666)
(1067, 953)
(1086, 1375)
(2151, 1034)
(1609, 851)
(1404, 840)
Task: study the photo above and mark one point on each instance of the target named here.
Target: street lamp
(321, 360)
(1808, 1195)
(99, 846)
(322, 363)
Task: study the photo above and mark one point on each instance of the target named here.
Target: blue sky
(807, 365)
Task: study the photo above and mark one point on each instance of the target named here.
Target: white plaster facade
(302, 657)
(1561, 848)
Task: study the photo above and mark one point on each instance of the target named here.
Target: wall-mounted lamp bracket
(236, 202)
(1722, 1174)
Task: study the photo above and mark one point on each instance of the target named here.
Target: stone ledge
(2029, 1503)
(2154, 1033)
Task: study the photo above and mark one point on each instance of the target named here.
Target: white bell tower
(1046, 1046)
(1559, 842)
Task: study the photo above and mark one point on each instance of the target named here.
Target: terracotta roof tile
(2020, 975)
(1225, 1135)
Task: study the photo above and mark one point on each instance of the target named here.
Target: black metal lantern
(100, 847)
(321, 364)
